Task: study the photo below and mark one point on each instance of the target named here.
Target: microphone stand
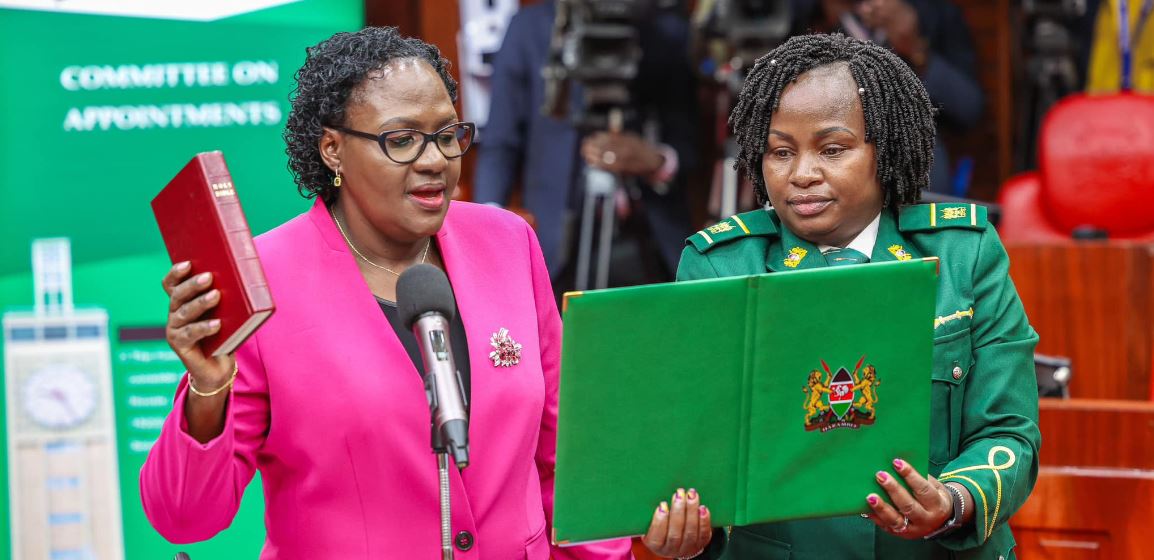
(441, 449)
(443, 462)
(446, 509)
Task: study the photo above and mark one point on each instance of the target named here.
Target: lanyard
(1125, 44)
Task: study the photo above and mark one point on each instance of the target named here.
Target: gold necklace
(424, 253)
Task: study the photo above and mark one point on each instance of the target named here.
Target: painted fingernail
(899, 464)
(203, 278)
(680, 495)
(702, 511)
(663, 508)
(214, 323)
(882, 476)
(692, 494)
(873, 500)
(181, 266)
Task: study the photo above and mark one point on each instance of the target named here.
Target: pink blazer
(330, 408)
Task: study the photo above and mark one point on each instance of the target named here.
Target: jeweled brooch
(506, 351)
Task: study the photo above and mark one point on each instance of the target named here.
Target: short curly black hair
(331, 73)
(899, 118)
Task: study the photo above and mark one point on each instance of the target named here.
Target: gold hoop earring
(337, 177)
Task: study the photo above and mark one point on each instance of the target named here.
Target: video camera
(596, 43)
(1047, 58)
(732, 35)
(741, 31)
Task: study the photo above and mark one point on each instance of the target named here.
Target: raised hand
(189, 299)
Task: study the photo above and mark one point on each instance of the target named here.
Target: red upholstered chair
(1096, 169)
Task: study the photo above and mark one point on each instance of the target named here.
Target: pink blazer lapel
(341, 279)
(463, 267)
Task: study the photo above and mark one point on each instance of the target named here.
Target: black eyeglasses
(405, 145)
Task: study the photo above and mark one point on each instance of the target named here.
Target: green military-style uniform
(984, 410)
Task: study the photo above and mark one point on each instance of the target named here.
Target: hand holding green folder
(776, 396)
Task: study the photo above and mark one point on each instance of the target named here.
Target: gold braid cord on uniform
(992, 465)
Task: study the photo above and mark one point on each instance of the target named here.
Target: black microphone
(425, 304)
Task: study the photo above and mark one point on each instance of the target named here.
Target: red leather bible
(202, 222)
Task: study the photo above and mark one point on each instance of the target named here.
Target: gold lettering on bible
(223, 189)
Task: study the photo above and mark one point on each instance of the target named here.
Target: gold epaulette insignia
(938, 215)
(900, 252)
(756, 222)
(720, 227)
(954, 213)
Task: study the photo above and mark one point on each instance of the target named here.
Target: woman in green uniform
(837, 136)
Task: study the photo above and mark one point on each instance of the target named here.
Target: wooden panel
(1092, 302)
(402, 14)
(1095, 492)
(1074, 514)
(1097, 433)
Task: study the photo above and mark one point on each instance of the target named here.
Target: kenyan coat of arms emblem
(841, 399)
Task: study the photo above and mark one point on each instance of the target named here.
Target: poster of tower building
(64, 496)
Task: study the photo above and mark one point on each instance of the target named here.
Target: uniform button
(464, 540)
(958, 374)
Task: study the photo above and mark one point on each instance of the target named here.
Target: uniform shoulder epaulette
(940, 215)
(754, 222)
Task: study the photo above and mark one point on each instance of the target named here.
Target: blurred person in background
(547, 156)
(1104, 69)
(932, 37)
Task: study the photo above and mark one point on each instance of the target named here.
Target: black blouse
(456, 339)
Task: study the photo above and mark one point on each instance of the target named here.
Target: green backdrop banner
(100, 110)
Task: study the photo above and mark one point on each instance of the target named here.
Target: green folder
(775, 396)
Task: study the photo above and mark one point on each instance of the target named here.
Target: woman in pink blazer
(324, 399)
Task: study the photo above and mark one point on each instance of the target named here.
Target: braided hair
(332, 72)
(899, 119)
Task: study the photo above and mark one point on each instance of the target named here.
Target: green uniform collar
(890, 245)
(795, 253)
